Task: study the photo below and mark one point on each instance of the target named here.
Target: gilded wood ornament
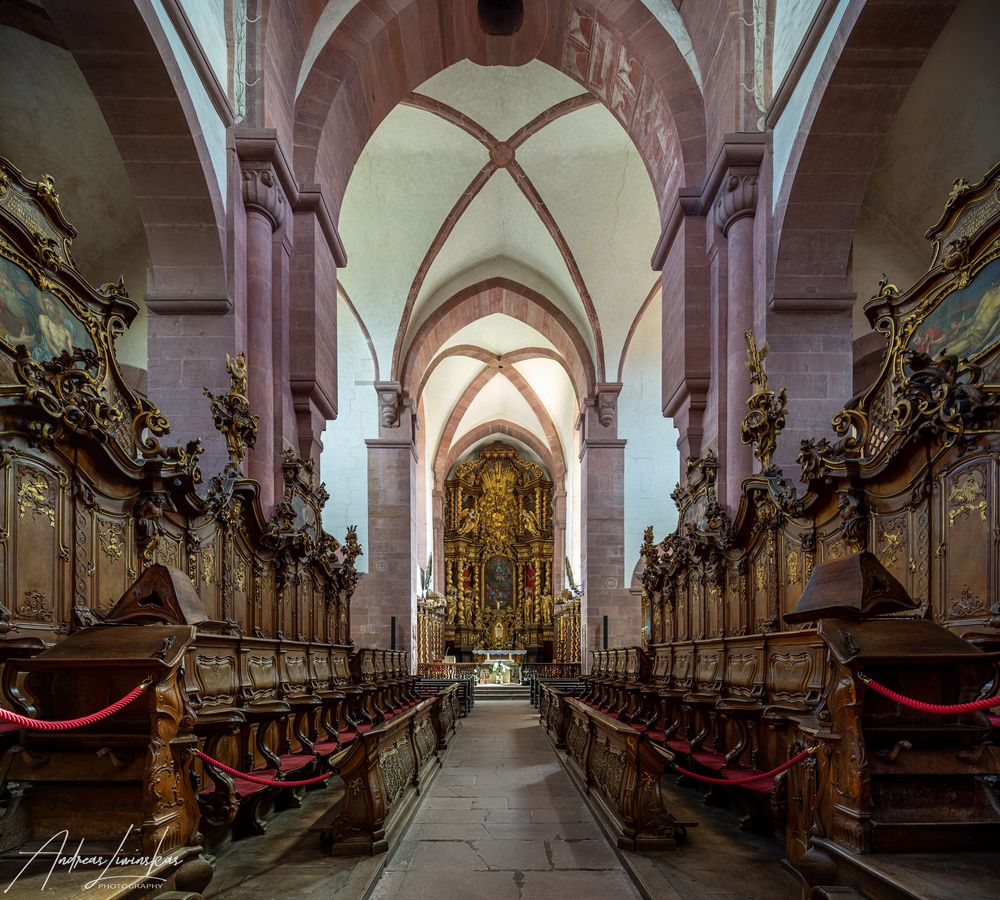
(498, 540)
(231, 411)
(766, 417)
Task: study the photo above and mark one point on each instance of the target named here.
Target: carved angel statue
(545, 608)
(452, 608)
(529, 521)
(231, 411)
(468, 520)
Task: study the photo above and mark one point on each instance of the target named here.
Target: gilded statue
(231, 411)
(766, 417)
(468, 520)
(545, 609)
(529, 522)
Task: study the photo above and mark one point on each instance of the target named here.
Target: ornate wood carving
(498, 542)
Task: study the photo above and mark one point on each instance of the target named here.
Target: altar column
(602, 474)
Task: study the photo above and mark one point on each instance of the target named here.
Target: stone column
(265, 212)
(558, 540)
(735, 207)
(437, 531)
(390, 587)
(602, 491)
(687, 375)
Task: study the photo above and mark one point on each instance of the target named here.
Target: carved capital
(390, 402)
(607, 402)
(263, 194)
(736, 199)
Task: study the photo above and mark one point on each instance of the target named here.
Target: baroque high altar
(498, 555)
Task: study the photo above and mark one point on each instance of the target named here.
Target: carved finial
(46, 192)
(231, 411)
(766, 417)
(886, 289)
(114, 290)
(960, 187)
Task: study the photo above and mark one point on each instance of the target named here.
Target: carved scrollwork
(943, 396)
(231, 411)
(70, 389)
(766, 417)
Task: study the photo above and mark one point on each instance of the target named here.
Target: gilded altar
(498, 554)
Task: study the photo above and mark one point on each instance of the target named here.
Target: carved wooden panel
(262, 675)
(217, 680)
(743, 671)
(708, 668)
(39, 523)
(683, 666)
(965, 555)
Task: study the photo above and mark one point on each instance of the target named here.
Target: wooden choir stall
(122, 573)
(800, 629)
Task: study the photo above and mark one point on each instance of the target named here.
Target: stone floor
(502, 821)
(288, 861)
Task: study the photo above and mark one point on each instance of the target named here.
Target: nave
(503, 821)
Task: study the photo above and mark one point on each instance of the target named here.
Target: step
(503, 692)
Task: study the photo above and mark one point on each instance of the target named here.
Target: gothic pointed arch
(498, 295)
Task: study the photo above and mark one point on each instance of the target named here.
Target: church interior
(500, 449)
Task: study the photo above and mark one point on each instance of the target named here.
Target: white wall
(208, 19)
(787, 126)
(791, 20)
(652, 461)
(212, 127)
(344, 461)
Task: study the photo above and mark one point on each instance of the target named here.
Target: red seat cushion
(994, 720)
(7, 727)
(714, 762)
(762, 786)
(295, 760)
(680, 745)
(639, 728)
(363, 728)
(658, 736)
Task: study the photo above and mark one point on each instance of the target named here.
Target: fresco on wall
(967, 321)
(38, 319)
(498, 583)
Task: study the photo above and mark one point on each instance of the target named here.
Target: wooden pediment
(160, 595)
(855, 587)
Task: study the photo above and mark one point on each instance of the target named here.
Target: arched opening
(498, 296)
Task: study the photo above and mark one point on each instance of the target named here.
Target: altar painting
(36, 318)
(966, 322)
(498, 583)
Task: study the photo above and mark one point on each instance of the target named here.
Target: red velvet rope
(256, 779)
(65, 725)
(730, 782)
(936, 708)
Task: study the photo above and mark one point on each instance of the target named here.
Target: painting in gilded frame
(966, 322)
(35, 318)
(498, 583)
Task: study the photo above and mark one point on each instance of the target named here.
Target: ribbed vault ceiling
(499, 175)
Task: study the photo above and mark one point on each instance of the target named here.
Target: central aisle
(502, 821)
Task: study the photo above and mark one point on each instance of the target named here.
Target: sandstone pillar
(734, 209)
(390, 588)
(602, 491)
